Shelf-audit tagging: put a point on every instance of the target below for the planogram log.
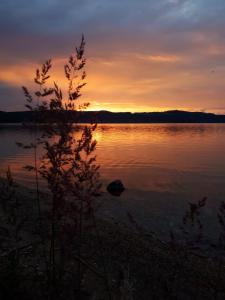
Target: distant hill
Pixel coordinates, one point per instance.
(172, 116)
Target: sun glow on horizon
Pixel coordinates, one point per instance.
(114, 86)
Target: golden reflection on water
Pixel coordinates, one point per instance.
(145, 156)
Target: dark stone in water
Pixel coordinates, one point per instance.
(116, 188)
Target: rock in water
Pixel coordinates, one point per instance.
(116, 187)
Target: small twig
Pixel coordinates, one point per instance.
(6, 253)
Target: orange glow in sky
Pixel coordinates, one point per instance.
(149, 83)
(141, 55)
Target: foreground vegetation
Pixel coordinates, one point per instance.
(116, 261)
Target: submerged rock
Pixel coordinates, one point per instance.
(116, 188)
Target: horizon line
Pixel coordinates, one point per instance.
(130, 112)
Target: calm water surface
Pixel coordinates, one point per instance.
(163, 166)
(160, 157)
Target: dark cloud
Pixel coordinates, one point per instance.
(38, 27)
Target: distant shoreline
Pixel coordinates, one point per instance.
(106, 117)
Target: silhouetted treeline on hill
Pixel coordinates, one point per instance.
(173, 116)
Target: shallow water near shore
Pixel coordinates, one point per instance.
(163, 166)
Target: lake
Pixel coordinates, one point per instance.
(145, 156)
(185, 160)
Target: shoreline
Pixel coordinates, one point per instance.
(172, 116)
(125, 247)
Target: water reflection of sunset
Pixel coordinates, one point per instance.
(145, 156)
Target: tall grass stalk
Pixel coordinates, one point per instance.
(68, 164)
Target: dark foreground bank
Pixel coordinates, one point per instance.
(117, 261)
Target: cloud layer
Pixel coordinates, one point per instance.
(142, 54)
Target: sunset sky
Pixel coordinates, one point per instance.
(142, 55)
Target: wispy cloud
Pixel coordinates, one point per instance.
(160, 58)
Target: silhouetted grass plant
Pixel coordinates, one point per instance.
(68, 166)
